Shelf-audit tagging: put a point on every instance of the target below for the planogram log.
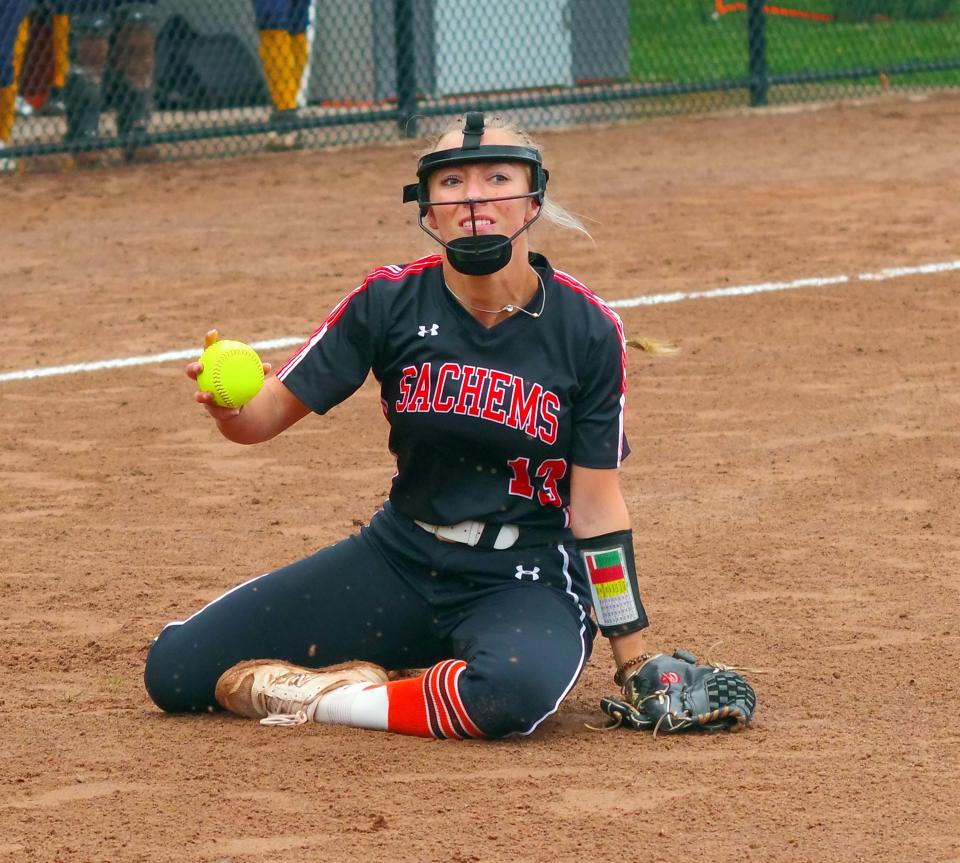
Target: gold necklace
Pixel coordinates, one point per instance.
(509, 308)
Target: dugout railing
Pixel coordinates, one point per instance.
(99, 80)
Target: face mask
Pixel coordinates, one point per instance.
(478, 254)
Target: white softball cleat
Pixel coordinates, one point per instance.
(280, 693)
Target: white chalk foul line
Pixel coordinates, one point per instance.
(648, 300)
(744, 290)
(737, 291)
(123, 362)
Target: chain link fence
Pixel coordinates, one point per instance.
(103, 80)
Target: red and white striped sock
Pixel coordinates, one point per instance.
(425, 706)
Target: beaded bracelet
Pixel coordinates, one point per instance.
(630, 663)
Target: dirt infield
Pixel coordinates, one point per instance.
(793, 485)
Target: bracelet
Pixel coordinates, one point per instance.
(630, 663)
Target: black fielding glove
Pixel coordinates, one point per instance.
(673, 693)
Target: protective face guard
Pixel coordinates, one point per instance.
(477, 255)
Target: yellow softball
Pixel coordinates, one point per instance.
(232, 372)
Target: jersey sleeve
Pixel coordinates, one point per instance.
(336, 359)
(599, 440)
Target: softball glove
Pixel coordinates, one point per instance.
(673, 693)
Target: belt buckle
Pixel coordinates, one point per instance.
(508, 535)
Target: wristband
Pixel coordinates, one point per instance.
(612, 574)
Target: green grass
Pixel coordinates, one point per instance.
(681, 41)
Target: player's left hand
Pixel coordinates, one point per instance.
(673, 693)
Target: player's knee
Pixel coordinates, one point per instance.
(171, 682)
(511, 700)
(160, 678)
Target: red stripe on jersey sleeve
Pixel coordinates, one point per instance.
(390, 273)
(610, 314)
(614, 318)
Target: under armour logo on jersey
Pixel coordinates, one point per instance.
(424, 331)
(533, 573)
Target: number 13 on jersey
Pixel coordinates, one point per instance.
(549, 473)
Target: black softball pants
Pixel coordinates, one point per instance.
(396, 596)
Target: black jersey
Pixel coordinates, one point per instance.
(484, 423)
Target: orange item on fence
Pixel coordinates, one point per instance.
(723, 7)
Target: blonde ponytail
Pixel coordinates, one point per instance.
(652, 346)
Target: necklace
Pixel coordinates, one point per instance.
(509, 308)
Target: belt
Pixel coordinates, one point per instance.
(497, 536)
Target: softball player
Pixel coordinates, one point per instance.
(60, 27)
(283, 53)
(119, 36)
(503, 382)
(14, 27)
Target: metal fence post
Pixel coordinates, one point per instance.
(757, 46)
(406, 68)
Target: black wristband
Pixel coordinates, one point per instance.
(612, 574)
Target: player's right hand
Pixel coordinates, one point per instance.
(220, 414)
(193, 370)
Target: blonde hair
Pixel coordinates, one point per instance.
(651, 346)
(550, 211)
